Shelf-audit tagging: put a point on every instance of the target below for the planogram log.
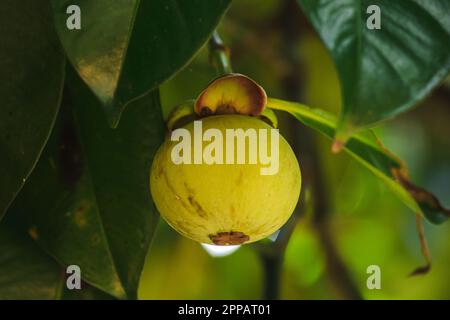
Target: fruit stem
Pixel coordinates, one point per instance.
(219, 54)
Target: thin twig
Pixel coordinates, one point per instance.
(423, 247)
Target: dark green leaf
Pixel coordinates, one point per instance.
(367, 150)
(88, 199)
(383, 72)
(31, 78)
(126, 48)
(25, 271)
(86, 292)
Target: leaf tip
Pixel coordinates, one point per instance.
(420, 271)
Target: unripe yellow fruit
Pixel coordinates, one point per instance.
(225, 203)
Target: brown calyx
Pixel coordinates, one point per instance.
(229, 238)
(231, 94)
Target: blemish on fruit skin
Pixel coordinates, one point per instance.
(240, 178)
(232, 211)
(194, 206)
(163, 174)
(189, 189)
(33, 232)
(160, 171)
(171, 188)
(197, 207)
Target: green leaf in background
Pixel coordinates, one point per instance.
(382, 72)
(25, 271)
(31, 78)
(369, 152)
(126, 48)
(88, 201)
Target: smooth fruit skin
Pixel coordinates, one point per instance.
(225, 203)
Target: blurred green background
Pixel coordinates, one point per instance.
(271, 42)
